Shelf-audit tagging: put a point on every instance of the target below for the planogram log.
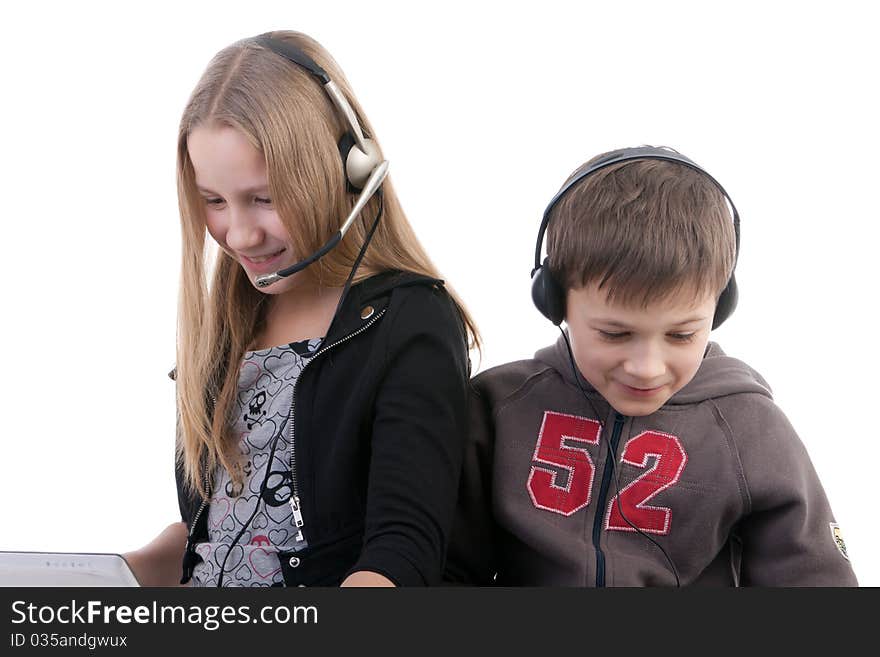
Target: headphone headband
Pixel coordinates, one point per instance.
(627, 155)
(357, 166)
(294, 54)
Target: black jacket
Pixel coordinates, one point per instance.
(379, 429)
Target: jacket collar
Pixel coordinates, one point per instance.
(370, 297)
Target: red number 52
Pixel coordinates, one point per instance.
(561, 478)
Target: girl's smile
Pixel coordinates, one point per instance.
(262, 264)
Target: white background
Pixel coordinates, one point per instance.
(483, 110)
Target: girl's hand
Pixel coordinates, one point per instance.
(367, 578)
(159, 562)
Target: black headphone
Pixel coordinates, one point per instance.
(365, 170)
(549, 295)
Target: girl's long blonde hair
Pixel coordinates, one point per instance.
(290, 118)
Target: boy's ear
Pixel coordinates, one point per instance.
(547, 294)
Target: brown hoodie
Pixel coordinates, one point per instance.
(717, 477)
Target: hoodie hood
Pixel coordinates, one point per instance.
(719, 375)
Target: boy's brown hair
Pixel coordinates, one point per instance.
(642, 230)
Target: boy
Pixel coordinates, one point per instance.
(708, 484)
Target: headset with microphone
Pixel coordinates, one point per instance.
(365, 170)
(548, 293)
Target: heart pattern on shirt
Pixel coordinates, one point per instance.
(235, 556)
(262, 564)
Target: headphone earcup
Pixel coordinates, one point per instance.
(548, 295)
(357, 164)
(726, 302)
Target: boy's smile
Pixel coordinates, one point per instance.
(637, 358)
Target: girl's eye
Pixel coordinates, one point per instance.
(213, 201)
(612, 336)
(264, 201)
(682, 337)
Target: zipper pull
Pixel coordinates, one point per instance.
(190, 560)
(297, 515)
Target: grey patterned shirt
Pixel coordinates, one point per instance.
(265, 522)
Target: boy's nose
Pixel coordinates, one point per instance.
(645, 365)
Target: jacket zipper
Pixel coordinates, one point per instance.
(207, 483)
(189, 559)
(603, 494)
(204, 503)
(295, 505)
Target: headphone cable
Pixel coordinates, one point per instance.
(360, 255)
(613, 457)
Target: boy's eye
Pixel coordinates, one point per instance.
(682, 337)
(612, 335)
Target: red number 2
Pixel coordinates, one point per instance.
(562, 471)
(670, 461)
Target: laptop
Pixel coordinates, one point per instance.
(64, 569)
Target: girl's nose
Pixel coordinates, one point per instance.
(244, 231)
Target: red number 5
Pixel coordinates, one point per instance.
(562, 471)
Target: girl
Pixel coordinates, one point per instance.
(321, 414)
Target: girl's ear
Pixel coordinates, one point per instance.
(346, 143)
(357, 164)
